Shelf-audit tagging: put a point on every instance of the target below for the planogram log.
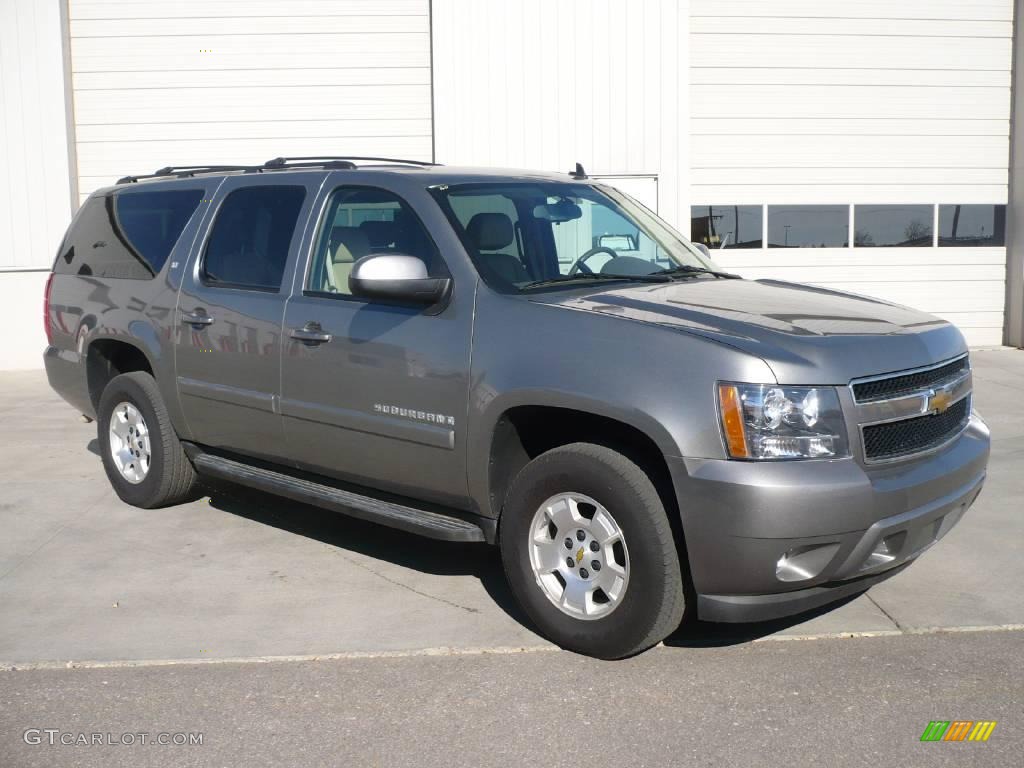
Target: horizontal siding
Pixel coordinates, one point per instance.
(862, 76)
(119, 133)
(847, 126)
(204, 9)
(963, 285)
(840, 193)
(848, 274)
(772, 23)
(943, 10)
(751, 102)
(828, 101)
(109, 159)
(911, 98)
(547, 84)
(863, 257)
(845, 51)
(234, 25)
(223, 82)
(249, 78)
(35, 196)
(760, 151)
(879, 175)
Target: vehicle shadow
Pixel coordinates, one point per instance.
(441, 558)
(481, 561)
(694, 633)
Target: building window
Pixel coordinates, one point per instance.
(972, 225)
(726, 226)
(808, 226)
(893, 226)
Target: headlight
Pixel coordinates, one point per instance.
(768, 421)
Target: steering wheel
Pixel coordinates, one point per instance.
(580, 264)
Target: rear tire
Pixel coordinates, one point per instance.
(141, 453)
(595, 598)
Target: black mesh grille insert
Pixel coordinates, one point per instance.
(901, 438)
(883, 389)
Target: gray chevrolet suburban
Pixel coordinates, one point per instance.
(525, 359)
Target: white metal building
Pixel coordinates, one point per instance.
(753, 125)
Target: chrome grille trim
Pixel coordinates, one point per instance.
(917, 404)
(926, 376)
(932, 399)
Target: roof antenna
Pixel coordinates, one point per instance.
(579, 173)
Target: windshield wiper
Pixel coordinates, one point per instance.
(687, 270)
(657, 277)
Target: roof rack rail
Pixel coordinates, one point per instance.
(184, 171)
(326, 161)
(337, 161)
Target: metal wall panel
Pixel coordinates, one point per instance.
(544, 85)
(832, 102)
(35, 196)
(216, 81)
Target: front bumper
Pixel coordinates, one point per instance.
(842, 525)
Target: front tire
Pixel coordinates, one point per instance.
(142, 455)
(589, 552)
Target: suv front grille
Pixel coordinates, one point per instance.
(907, 383)
(902, 438)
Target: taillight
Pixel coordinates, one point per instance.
(47, 325)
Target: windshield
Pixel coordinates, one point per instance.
(520, 234)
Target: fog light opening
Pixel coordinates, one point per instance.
(887, 550)
(805, 562)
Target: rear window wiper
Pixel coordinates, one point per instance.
(658, 277)
(687, 270)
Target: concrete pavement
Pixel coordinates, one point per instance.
(85, 577)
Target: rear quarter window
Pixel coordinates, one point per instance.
(127, 235)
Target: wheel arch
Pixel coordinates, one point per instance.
(108, 357)
(523, 432)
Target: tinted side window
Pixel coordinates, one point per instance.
(972, 225)
(127, 235)
(248, 246)
(361, 221)
(153, 221)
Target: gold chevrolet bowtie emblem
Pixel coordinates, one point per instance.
(579, 555)
(939, 401)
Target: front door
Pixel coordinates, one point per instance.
(228, 350)
(375, 392)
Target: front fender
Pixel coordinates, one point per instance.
(658, 380)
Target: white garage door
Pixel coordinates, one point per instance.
(231, 81)
(885, 120)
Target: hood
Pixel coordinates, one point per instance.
(807, 335)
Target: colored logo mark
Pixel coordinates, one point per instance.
(958, 730)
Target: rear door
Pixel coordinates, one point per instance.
(228, 348)
(381, 399)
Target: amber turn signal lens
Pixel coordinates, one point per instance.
(732, 421)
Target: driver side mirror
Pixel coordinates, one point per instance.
(396, 277)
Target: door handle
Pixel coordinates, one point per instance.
(310, 333)
(196, 318)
